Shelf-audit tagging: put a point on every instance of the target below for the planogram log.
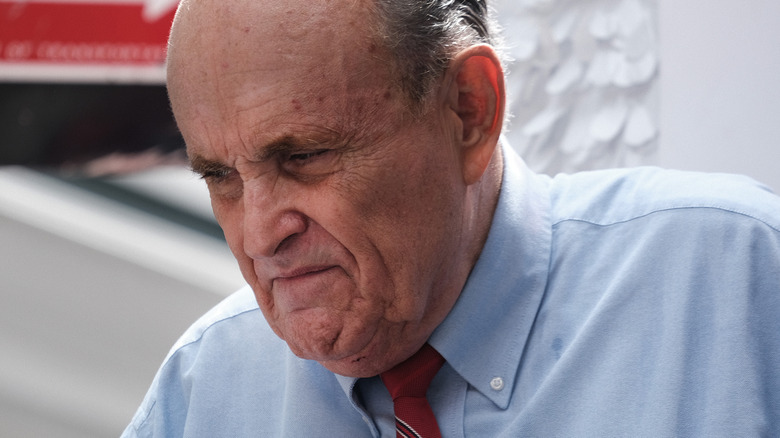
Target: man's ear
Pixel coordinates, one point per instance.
(476, 95)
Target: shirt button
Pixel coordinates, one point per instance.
(497, 383)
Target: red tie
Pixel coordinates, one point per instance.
(407, 383)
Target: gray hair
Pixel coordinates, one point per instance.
(424, 35)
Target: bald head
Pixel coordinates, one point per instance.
(212, 39)
(420, 37)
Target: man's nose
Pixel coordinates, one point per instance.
(270, 219)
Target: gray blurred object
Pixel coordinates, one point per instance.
(93, 292)
(583, 84)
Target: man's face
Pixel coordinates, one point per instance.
(344, 213)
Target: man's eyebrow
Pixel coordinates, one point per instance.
(276, 147)
(204, 166)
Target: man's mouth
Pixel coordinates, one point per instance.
(303, 272)
(306, 287)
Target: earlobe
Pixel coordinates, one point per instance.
(479, 105)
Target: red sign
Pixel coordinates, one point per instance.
(94, 38)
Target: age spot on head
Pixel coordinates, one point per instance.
(297, 105)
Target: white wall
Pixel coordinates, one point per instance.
(720, 87)
(715, 97)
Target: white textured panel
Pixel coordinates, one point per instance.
(720, 99)
(582, 85)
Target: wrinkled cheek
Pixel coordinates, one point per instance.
(311, 334)
(246, 266)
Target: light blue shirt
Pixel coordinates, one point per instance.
(622, 303)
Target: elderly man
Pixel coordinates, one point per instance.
(352, 153)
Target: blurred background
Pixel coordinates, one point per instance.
(109, 248)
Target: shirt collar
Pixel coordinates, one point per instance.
(484, 335)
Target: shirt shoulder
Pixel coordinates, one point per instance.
(613, 196)
(235, 305)
(663, 286)
(207, 363)
(230, 375)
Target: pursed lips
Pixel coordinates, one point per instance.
(303, 272)
(303, 287)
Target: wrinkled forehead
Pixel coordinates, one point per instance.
(216, 42)
(251, 25)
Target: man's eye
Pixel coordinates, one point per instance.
(303, 156)
(311, 163)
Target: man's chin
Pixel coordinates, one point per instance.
(357, 358)
(360, 365)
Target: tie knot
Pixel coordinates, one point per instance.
(412, 377)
